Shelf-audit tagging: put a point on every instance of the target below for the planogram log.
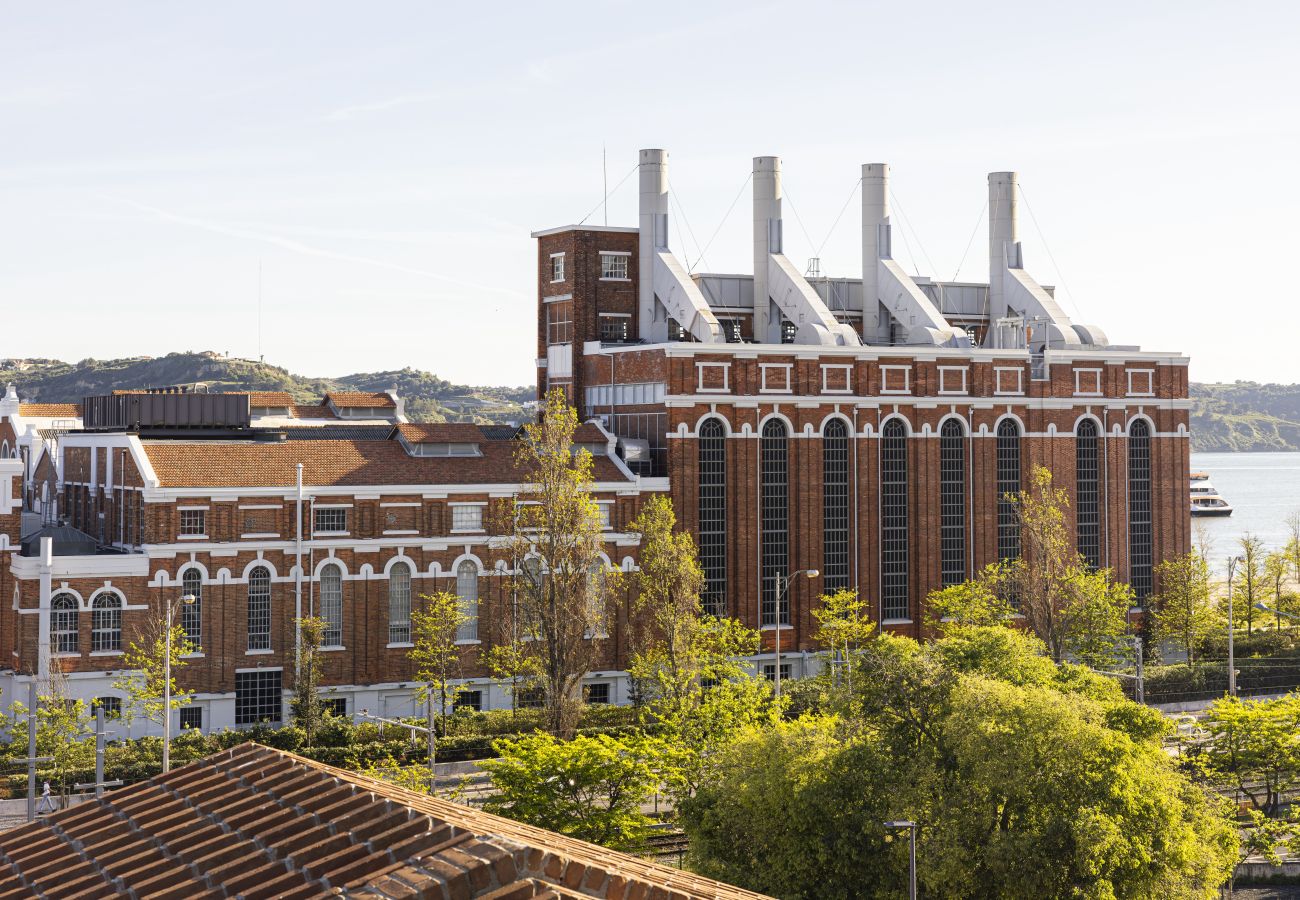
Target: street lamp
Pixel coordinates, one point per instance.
(911, 854)
(784, 582)
(1232, 667)
(188, 600)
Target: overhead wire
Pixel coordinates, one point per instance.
(789, 199)
(681, 210)
(857, 184)
(1042, 237)
(725, 216)
(974, 231)
(605, 200)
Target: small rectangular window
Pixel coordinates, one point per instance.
(192, 717)
(331, 519)
(472, 700)
(259, 697)
(559, 323)
(335, 706)
(769, 672)
(112, 706)
(613, 265)
(614, 329)
(194, 522)
(605, 510)
(557, 267)
(529, 698)
(467, 518)
(597, 693)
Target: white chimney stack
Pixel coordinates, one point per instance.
(654, 231)
(875, 236)
(1004, 237)
(767, 240)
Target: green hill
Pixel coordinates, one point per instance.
(428, 397)
(1245, 415)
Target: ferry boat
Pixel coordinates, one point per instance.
(1206, 500)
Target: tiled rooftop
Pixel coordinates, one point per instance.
(53, 410)
(359, 398)
(255, 822)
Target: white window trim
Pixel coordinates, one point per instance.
(848, 378)
(1151, 382)
(398, 645)
(253, 536)
(1078, 392)
(195, 537)
(997, 381)
(884, 380)
(609, 315)
(267, 652)
(945, 371)
(563, 268)
(726, 377)
(764, 368)
(476, 504)
(603, 254)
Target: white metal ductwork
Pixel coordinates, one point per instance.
(885, 283)
(1013, 293)
(779, 289)
(666, 289)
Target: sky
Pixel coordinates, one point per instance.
(373, 171)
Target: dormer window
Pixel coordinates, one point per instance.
(446, 448)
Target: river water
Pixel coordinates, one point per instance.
(1263, 488)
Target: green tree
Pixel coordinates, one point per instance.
(564, 591)
(1253, 746)
(1293, 542)
(999, 754)
(144, 670)
(1248, 586)
(435, 653)
(1276, 564)
(511, 662)
(979, 601)
(591, 788)
(307, 706)
(1182, 612)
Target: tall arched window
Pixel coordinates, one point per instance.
(259, 608)
(331, 604)
(893, 521)
(1087, 492)
(64, 636)
(1139, 509)
(774, 519)
(467, 590)
(192, 613)
(835, 505)
(399, 604)
(1008, 466)
(106, 623)
(952, 503)
(713, 515)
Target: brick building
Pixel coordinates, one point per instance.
(261, 517)
(867, 427)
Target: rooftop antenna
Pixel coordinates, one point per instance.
(604, 177)
(260, 357)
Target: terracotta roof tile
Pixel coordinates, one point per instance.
(358, 398)
(332, 463)
(438, 432)
(52, 410)
(270, 398)
(257, 822)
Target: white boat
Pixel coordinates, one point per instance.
(1206, 500)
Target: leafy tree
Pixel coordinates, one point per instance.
(307, 706)
(1253, 747)
(435, 653)
(1293, 542)
(1073, 609)
(980, 601)
(144, 672)
(1182, 611)
(999, 754)
(1276, 564)
(510, 661)
(844, 626)
(563, 588)
(1248, 587)
(687, 665)
(588, 787)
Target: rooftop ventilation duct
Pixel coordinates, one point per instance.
(666, 289)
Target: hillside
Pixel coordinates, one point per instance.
(428, 397)
(1245, 415)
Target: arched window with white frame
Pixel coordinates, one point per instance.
(1087, 492)
(64, 629)
(1139, 510)
(106, 623)
(192, 613)
(713, 514)
(774, 521)
(835, 505)
(331, 604)
(467, 590)
(893, 521)
(259, 608)
(1008, 483)
(952, 502)
(399, 604)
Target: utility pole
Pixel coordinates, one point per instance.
(1137, 654)
(33, 702)
(1232, 663)
(100, 734)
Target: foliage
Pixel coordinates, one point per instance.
(1001, 756)
(1254, 745)
(1182, 612)
(435, 653)
(307, 706)
(144, 680)
(563, 586)
(1276, 565)
(1248, 586)
(588, 787)
(979, 601)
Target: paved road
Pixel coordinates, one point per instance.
(1280, 892)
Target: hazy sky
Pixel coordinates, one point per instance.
(384, 163)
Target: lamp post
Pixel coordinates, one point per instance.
(784, 582)
(188, 600)
(1232, 665)
(911, 854)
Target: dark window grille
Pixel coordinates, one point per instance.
(259, 697)
(106, 623)
(596, 693)
(64, 631)
(259, 609)
(1139, 509)
(335, 706)
(112, 706)
(331, 605)
(192, 717)
(614, 329)
(774, 520)
(1008, 466)
(788, 331)
(835, 505)
(1087, 507)
(893, 521)
(192, 613)
(713, 515)
(952, 503)
(472, 700)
